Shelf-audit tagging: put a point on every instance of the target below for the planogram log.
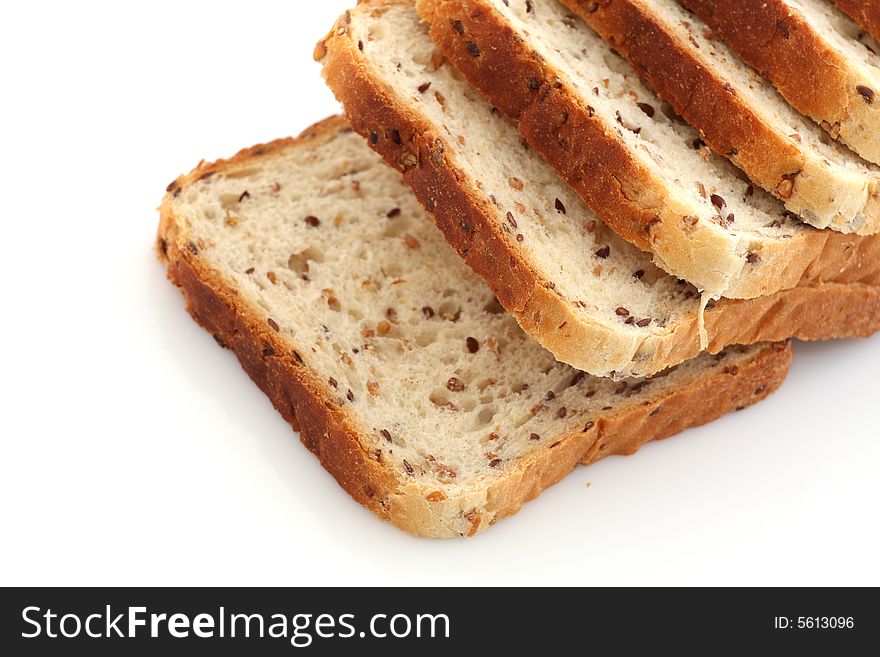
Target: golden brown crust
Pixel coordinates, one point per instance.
(865, 12)
(728, 122)
(328, 430)
(807, 313)
(413, 146)
(816, 79)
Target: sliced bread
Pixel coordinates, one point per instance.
(591, 298)
(643, 171)
(313, 262)
(819, 59)
(865, 12)
(740, 114)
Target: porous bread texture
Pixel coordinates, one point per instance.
(643, 172)
(315, 263)
(865, 12)
(335, 250)
(818, 58)
(739, 113)
(590, 298)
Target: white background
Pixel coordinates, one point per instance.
(135, 451)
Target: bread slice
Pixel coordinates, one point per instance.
(313, 262)
(643, 171)
(592, 299)
(816, 56)
(740, 114)
(865, 12)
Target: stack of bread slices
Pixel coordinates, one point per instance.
(545, 232)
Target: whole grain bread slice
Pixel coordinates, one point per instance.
(740, 114)
(819, 59)
(865, 12)
(595, 301)
(312, 261)
(643, 171)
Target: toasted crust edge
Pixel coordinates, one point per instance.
(330, 433)
(816, 79)
(729, 124)
(829, 310)
(866, 14)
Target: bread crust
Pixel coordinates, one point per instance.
(865, 12)
(837, 298)
(329, 431)
(816, 79)
(822, 195)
